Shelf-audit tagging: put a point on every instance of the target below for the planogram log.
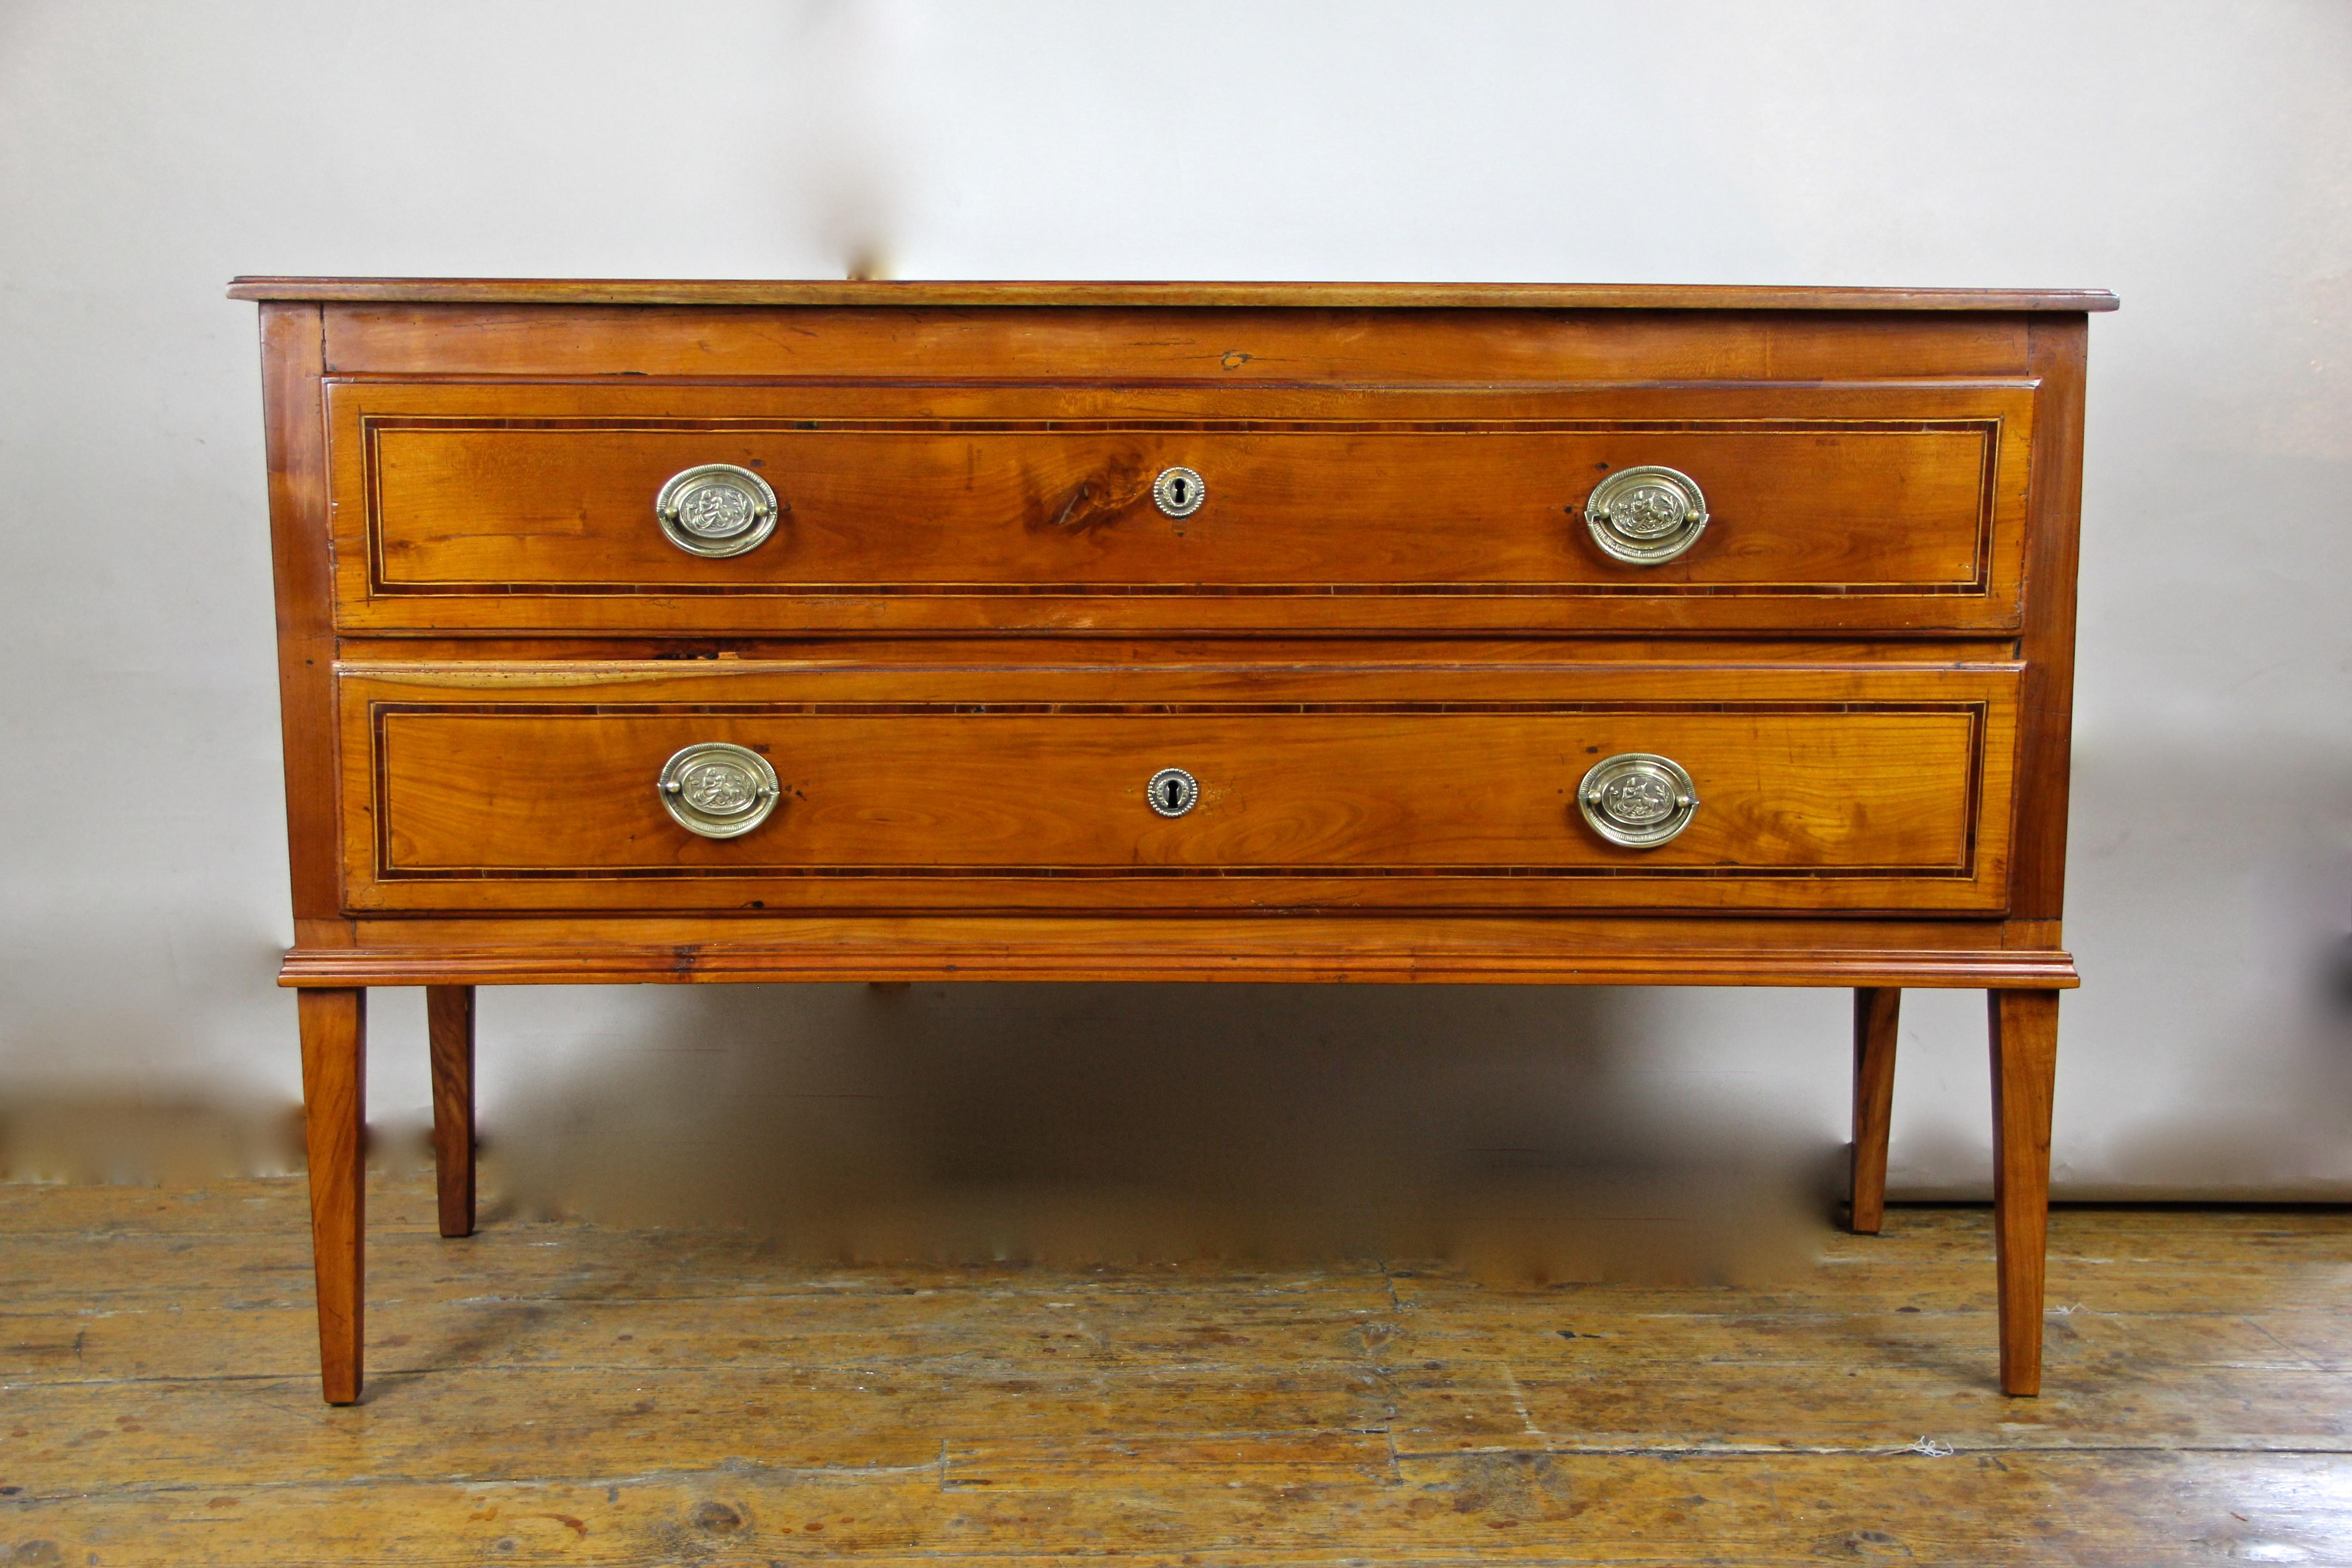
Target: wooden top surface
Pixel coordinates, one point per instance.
(1215, 296)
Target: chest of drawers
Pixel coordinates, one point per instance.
(683, 633)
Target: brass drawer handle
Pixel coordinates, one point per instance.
(1172, 793)
(717, 509)
(1638, 799)
(1645, 516)
(1178, 492)
(718, 790)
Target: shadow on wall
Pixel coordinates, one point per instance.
(2209, 909)
(1502, 1128)
(179, 1142)
(1077, 1124)
(1074, 1124)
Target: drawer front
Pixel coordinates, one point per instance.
(518, 788)
(533, 508)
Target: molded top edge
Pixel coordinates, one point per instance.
(1224, 295)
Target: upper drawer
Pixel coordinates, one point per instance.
(533, 508)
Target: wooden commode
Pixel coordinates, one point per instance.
(692, 632)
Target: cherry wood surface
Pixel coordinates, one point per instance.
(302, 560)
(2024, 1027)
(1877, 1014)
(334, 1116)
(1386, 646)
(1851, 790)
(2039, 888)
(1129, 352)
(1381, 792)
(1088, 295)
(1581, 949)
(449, 1027)
(1840, 507)
(1576, 955)
(473, 507)
(841, 650)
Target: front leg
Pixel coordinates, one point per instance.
(449, 1024)
(2024, 1070)
(334, 1114)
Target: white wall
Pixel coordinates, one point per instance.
(2195, 158)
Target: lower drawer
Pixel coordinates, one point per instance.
(485, 788)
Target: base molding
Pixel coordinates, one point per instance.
(705, 963)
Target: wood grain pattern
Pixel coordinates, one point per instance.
(295, 439)
(1824, 509)
(560, 1393)
(1646, 949)
(450, 1025)
(1377, 794)
(825, 650)
(334, 1116)
(474, 507)
(1260, 956)
(1876, 1017)
(1851, 790)
(2045, 758)
(864, 292)
(1130, 349)
(2024, 1027)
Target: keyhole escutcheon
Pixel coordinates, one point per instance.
(1172, 793)
(1178, 492)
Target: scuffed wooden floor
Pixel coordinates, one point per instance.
(564, 1394)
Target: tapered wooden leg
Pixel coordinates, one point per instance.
(334, 1110)
(449, 1020)
(2024, 1068)
(1876, 1010)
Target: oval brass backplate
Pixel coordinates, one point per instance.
(718, 790)
(717, 510)
(1647, 516)
(1637, 799)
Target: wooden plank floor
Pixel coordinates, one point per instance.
(567, 1394)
